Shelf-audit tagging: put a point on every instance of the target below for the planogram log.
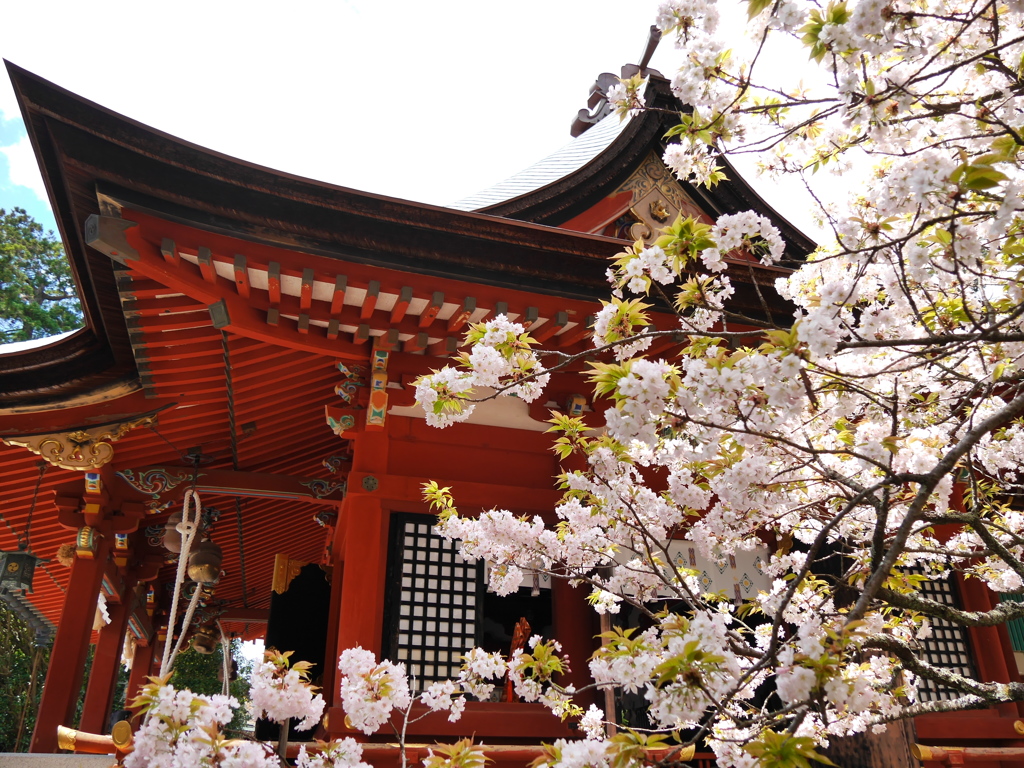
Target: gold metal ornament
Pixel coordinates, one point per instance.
(81, 449)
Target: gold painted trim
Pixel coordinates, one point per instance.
(66, 738)
(285, 570)
(122, 734)
(921, 752)
(81, 449)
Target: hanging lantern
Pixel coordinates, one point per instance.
(172, 536)
(204, 563)
(16, 570)
(205, 639)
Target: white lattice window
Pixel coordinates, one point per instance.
(433, 598)
(949, 644)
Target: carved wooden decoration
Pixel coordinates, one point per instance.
(82, 449)
(657, 199)
(285, 570)
(378, 406)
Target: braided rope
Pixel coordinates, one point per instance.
(189, 529)
(225, 652)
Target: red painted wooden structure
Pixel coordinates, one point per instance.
(220, 299)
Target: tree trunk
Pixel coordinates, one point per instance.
(890, 749)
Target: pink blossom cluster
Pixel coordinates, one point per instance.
(280, 692)
(182, 730)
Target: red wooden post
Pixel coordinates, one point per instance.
(574, 627)
(142, 667)
(362, 591)
(67, 659)
(106, 663)
(363, 529)
(330, 679)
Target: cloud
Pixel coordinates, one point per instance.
(24, 171)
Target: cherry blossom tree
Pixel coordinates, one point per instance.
(866, 424)
(873, 442)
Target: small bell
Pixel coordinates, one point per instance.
(172, 536)
(205, 640)
(204, 563)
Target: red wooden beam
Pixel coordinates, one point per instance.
(181, 338)
(321, 312)
(416, 344)
(578, 333)
(169, 251)
(500, 308)
(138, 286)
(551, 327)
(961, 755)
(242, 276)
(306, 289)
(431, 310)
(469, 494)
(249, 484)
(338, 297)
(461, 315)
(206, 267)
(964, 725)
(246, 615)
(444, 348)
(274, 283)
(177, 321)
(401, 304)
(362, 334)
(370, 301)
(122, 241)
(162, 306)
(197, 351)
(529, 318)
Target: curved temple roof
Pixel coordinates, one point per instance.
(221, 294)
(556, 166)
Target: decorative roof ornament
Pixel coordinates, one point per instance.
(82, 449)
(657, 198)
(598, 107)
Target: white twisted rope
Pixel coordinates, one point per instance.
(189, 529)
(225, 653)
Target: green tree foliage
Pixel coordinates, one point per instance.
(18, 697)
(37, 291)
(200, 673)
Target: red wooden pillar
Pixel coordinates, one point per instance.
(993, 653)
(574, 626)
(106, 663)
(142, 667)
(363, 539)
(67, 659)
(362, 592)
(330, 680)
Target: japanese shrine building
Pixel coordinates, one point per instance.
(219, 299)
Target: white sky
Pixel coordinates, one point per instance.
(427, 101)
